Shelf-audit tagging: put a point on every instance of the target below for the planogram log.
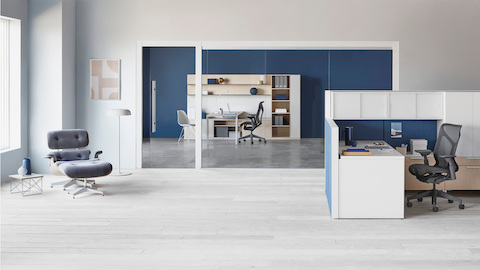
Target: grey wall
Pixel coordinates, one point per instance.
(11, 161)
(51, 74)
(438, 41)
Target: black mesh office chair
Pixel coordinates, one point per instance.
(444, 168)
(255, 121)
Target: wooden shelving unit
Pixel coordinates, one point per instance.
(235, 92)
(280, 100)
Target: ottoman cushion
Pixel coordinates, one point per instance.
(85, 168)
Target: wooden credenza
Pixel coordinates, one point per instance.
(468, 175)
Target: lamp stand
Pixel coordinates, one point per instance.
(119, 173)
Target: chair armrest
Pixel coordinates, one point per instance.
(424, 154)
(96, 154)
(452, 166)
(51, 156)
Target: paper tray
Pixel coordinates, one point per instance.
(346, 153)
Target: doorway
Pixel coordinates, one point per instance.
(165, 143)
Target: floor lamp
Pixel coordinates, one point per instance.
(118, 113)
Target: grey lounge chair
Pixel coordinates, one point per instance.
(78, 164)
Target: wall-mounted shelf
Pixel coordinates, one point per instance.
(234, 85)
(228, 84)
(241, 95)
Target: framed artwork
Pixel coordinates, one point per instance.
(396, 130)
(105, 79)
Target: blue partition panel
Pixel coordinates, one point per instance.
(380, 130)
(328, 165)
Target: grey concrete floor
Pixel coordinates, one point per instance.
(167, 153)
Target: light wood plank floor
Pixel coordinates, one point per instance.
(226, 219)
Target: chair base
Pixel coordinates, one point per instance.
(70, 182)
(182, 134)
(251, 136)
(86, 188)
(434, 193)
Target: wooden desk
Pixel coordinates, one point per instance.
(228, 116)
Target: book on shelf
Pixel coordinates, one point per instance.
(278, 120)
(281, 110)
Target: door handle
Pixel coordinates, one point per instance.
(154, 106)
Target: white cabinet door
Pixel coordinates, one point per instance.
(346, 105)
(430, 105)
(459, 110)
(374, 105)
(476, 124)
(295, 106)
(403, 105)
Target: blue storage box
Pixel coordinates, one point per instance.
(281, 97)
(212, 81)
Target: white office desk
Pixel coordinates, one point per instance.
(223, 116)
(371, 186)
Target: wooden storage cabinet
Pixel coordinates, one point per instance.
(468, 175)
(468, 178)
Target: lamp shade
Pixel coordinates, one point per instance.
(118, 112)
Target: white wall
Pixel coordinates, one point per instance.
(11, 161)
(438, 44)
(50, 82)
(68, 64)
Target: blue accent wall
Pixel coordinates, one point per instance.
(313, 68)
(361, 70)
(169, 67)
(350, 69)
(233, 62)
(380, 130)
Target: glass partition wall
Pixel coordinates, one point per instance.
(238, 84)
(289, 84)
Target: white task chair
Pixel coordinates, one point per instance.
(182, 120)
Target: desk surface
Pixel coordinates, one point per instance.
(375, 152)
(217, 115)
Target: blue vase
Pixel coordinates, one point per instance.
(26, 165)
(253, 91)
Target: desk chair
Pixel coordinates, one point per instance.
(444, 168)
(182, 120)
(77, 164)
(255, 121)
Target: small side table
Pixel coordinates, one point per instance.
(26, 183)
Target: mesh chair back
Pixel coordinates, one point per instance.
(447, 143)
(259, 115)
(182, 118)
